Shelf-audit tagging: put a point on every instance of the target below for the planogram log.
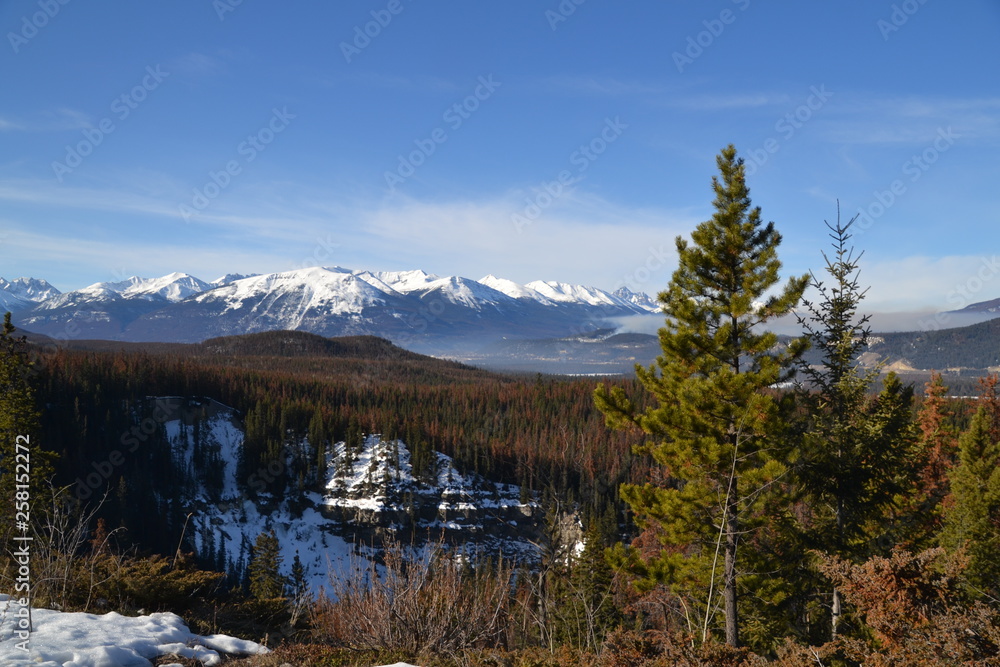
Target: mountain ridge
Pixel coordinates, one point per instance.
(416, 309)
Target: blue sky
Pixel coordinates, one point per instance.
(531, 140)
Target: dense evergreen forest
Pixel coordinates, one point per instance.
(542, 433)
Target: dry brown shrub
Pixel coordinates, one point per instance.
(627, 648)
(915, 606)
(421, 604)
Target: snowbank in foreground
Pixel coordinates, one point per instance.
(108, 640)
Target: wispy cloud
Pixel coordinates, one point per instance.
(409, 84)
(8, 126)
(863, 118)
(728, 102)
(50, 120)
(247, 209)
(582, 238)
(943, 283)
(103, 261)
(601, 86)
(198, 65)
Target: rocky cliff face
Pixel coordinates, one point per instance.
(374, 488)
(371, 493)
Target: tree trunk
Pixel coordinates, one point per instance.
(837, 609)
(729, 575)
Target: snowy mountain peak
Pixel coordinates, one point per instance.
(292, 295)
(566, 293)
(172, 287)
(513, 289)
(231, 278)
(470, 293)
(640, 299)
(29, 289)
(406, 281)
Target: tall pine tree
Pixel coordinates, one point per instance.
(711, 425)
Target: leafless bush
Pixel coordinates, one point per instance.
(420, 603)
(65, 574)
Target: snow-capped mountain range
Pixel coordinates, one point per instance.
(413, 308)
(24, 293)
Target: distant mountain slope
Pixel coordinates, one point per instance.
(975, 347)
(992, 306)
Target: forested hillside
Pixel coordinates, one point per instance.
(541, 433)
(974, 348)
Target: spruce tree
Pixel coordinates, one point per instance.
(299, 583)
(972, 520)
(844, 464)
(318, 441)
(264, 570)
(712, 425)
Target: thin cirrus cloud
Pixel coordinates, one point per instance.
(581, 239)
(62, 257)
(860, 118)
(953, 281)
(49, 120)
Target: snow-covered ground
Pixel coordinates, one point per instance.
(109, 640)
